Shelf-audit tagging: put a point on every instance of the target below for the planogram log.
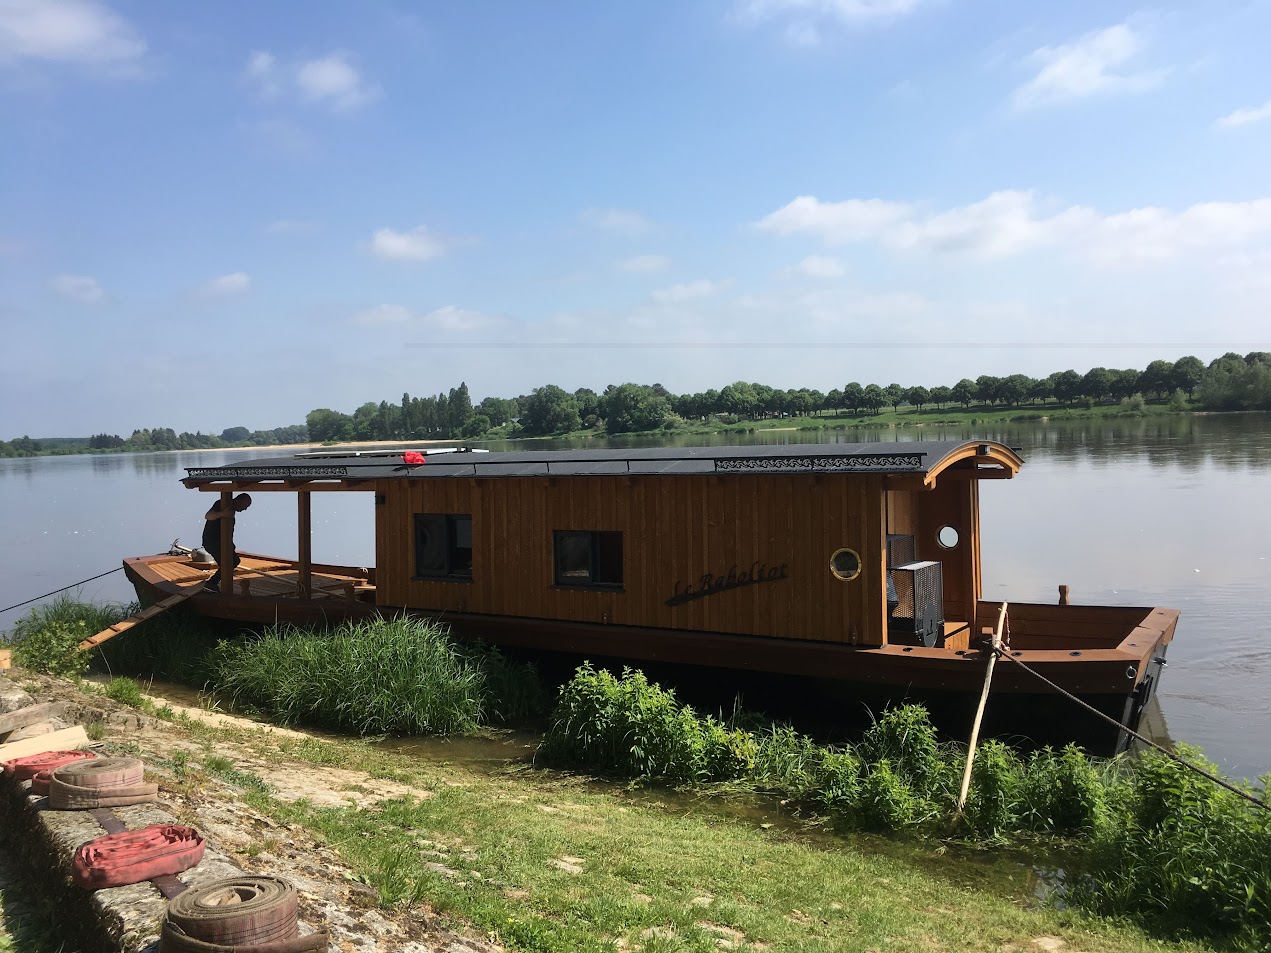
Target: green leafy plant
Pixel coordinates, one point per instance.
(992, 810)
(53, 648)
(635, 728)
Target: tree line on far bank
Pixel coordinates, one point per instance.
(150, 440)
(1231, 382)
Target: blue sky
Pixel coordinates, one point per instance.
(228, 214)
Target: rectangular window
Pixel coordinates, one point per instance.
(589, 559)
(443, 546)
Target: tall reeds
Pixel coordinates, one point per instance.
(382, 676)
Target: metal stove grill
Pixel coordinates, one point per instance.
(901, 549)
(919, 601)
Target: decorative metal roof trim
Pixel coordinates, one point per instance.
(880, 461)
(264, 473)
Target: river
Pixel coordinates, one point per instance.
(1170, 511)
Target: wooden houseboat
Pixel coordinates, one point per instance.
(856, 563)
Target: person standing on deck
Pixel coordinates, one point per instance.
(212, 537)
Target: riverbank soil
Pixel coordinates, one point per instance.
(398, 852)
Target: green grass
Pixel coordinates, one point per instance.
(497, 851)
(126, 692)
(552, 864)
(399, 676)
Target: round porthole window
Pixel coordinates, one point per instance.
(845, 564)
(947, 537)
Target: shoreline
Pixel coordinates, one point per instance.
(949, 417)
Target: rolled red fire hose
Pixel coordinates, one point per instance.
(37, 768)
(134, 856)
(243, 914)
(102, 782)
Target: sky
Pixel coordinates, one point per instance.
(232, 213)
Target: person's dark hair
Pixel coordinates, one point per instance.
(244, 496)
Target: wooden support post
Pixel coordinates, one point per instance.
(304, 524)
(226, 565)
(1063, 594)
(979, 713)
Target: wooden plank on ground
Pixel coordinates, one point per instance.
(148, 613)
(65, 740)
(30, 715)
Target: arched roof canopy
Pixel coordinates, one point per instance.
(985, 459)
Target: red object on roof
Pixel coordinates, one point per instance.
(414, 457)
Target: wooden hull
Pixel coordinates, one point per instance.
(1110, 657)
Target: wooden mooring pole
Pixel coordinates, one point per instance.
(979, 712)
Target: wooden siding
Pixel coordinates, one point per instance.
(675, 530)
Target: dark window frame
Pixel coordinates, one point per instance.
(605, 558)
(455, 569)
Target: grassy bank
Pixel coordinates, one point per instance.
(1143, 839)
(1148, 838)
(556, 862)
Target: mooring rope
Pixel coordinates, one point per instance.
(1221, 782)
(18, 605)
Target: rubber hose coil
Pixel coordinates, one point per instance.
(24, 769)
(133, 856)
(244, 913)
(37, 768)
(103, 782)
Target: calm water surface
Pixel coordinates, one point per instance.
(1143, 512)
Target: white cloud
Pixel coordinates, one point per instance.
(333, 80)
(804, 18)
(1086, 67)
(820, 266)
(419, 244)
(1009, 223)
(616, 220)
(330, 80)
(67, 31)
(1245, 117)
(837, 222)
(79, 288)
(689, 291)
(644, 263)
(231, 284)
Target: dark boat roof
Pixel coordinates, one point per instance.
(914, 457)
